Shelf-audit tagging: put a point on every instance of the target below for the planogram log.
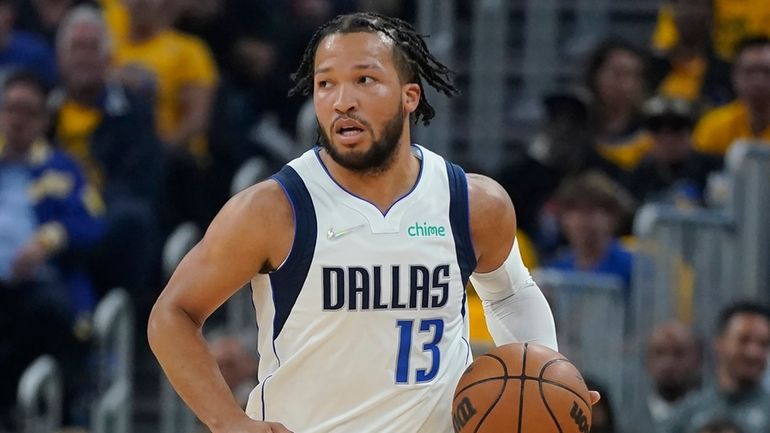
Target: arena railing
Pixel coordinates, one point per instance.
(488, 70)
(114, 337)
(748, 164)
(39, 397)
(690, 263)
(438, 20)
(590, 313)
(720, 253)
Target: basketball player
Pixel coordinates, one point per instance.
(358, 254)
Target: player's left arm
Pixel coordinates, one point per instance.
(515, 308)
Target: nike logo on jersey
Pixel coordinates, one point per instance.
(331, 234)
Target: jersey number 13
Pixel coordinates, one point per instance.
(406, 331)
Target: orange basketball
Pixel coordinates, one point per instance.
(521, 388)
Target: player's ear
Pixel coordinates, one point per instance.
(411, 93)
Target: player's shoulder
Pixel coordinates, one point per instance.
(262, 207)
(266, 197)
(492, 220)
(487, 196)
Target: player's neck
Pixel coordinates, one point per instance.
(381, 188)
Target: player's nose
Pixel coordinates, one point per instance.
(345, 100)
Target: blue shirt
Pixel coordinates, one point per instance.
(616, 261)
(29, 52)
(18, 221)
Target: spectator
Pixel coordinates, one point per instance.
(21, 50)
(591, 209)
(563, 148)
(42, 17)
(110, 131)
(242, 35)
(720, 426)
(176, 71)
(672, 171)
(226, 24)
(48, 216)
(306, 16)
(674, 368)
(616, 78)
(183, 83)
(689, 69)
(748, 117)
(742, 345)
(733, 21)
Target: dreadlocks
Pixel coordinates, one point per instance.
(411, 56)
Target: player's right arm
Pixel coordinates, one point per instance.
(252, 233)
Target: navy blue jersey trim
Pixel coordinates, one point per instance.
(459, 217)
(287, 281)
(262, 395)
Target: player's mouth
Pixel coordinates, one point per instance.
(348, 131)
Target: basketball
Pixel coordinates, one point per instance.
(521, 388)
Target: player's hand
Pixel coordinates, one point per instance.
(595, 397)
(247, 425)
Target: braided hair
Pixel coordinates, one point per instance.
(412, 59)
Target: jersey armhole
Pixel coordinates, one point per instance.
(459, 217)
(287, 279)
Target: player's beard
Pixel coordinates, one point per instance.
(378, 158)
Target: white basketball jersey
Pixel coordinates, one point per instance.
(364, 327)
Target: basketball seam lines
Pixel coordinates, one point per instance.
(558, 385)
(548, 407)
(499, 396)
(542, 395)
(521, 388)
(523, 378)
(550, 382)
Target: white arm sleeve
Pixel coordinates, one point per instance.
(515, 308)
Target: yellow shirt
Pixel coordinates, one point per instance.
(685, 80)
(733, 21)
(76, 125)
(628, 153)
(162, 66)
(116, 17)
(720, 127)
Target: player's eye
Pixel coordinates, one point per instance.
(365, 79)
(322, 84)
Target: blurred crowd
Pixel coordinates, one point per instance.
(650, 121)
(680, 398)
(121, 119)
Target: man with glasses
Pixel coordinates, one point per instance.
(673, 171)
(48, 216)
(748, 117)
